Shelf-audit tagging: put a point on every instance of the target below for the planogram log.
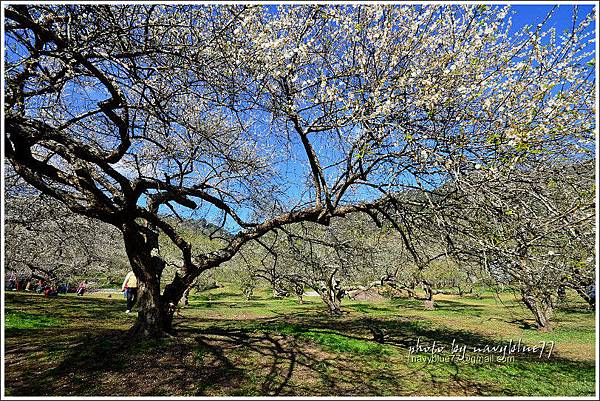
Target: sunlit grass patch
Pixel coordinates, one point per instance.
(21, 320)
(523, 377)
(331, 340)
(340, 343)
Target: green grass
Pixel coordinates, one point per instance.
(227, 345)
(523, 377)
(16, 320)
(340, 343)
(331, 340)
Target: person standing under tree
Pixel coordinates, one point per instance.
(130, 288)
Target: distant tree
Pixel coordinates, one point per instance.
(320, 259)
(346, 258)
(44, 239)
(534, 228)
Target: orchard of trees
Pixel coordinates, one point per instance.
(327, 148)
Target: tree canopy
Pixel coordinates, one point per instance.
(256, 117)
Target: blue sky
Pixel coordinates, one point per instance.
(533, 14)
(522, 15)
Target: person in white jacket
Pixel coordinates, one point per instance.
(130, 288)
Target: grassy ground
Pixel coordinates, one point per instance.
(226, 345)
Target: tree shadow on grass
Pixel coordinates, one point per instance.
(286, 365)
(288, 345)
(525, 324)
(56, 361)
(110, 363)
(268, 357)
(300, 353)
(526, 375)
(211, 361)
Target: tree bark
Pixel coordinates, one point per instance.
(541, 307)
(332, 303)
(428, 301)
(155, 311)
(154, 318)
(331, 294)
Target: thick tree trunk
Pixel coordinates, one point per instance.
(331, 295)
(332, 302)
(299, 290)
(154, 317)
(541, 309)
(155, 311)
(428, 301)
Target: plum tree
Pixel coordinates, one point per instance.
(258, 117)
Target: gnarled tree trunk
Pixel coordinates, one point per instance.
(428, 301)
(541, 307)
(299, 291)
(332, 295)
(155, 310)
(154, 317)
(332, 302)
